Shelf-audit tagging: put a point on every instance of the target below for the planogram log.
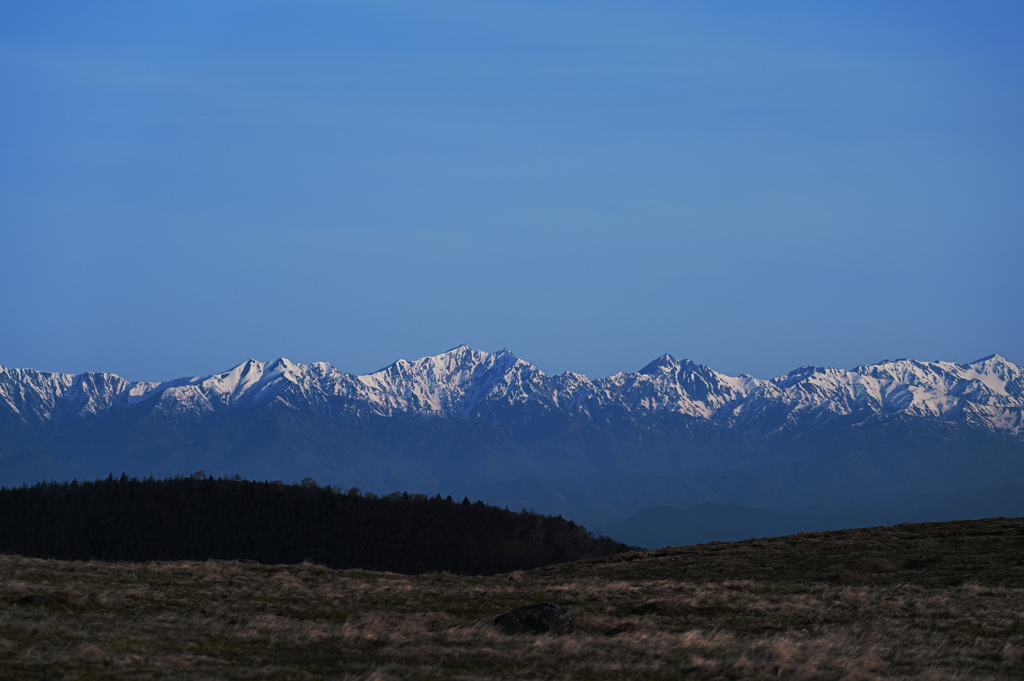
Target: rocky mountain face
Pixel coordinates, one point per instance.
(494, 425)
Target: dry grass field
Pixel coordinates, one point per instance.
(932, 601)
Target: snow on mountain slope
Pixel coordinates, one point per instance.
(461, 382)
(984, 393)
(812, 396)
(253, 383)
(430, 384)
(36, 396)
(497, 387)
(666, 384)
(989, 381)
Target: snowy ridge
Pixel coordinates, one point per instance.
(44, 396)
(666, 384)
(499, 387)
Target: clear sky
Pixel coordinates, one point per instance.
(751, 185)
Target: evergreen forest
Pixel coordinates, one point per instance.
(206, 518)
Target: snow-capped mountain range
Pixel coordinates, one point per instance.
(499, 387)
(493, 426)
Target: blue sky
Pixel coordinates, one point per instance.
(752, 185)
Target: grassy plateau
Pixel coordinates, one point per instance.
(926, 601)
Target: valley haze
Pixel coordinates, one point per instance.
(495, 427)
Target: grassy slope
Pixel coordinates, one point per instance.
(930, 601)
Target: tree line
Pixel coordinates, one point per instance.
(201, 518)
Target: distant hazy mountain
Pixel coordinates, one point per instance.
(492, 425)
(660, 526)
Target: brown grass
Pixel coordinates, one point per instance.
(907, 610)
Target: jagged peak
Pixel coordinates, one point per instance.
(284, 368)
(990, 359)
(244, 366)
(662, 364)
(899, 361)
(463, 356)
(940, 366)
(796, 375)
(234, 381)
(456, 355)
(509, 359)
(458, 350)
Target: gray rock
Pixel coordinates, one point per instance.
(536, 619)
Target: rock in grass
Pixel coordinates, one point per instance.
(658, 606)
(31, 599)
(536, 619)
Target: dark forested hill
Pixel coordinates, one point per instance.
(199, 518)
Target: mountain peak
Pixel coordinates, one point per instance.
(663, 364)
(458, 354)
(243, 368)
(991, 359)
